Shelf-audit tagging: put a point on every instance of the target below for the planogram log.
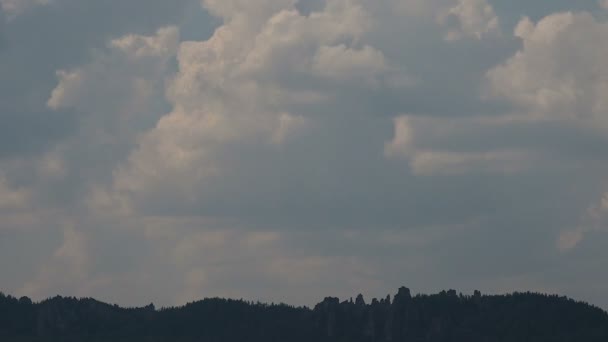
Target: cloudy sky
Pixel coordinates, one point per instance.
(284, 150)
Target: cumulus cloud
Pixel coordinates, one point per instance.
(118, 95)
(470, 18)
(238, 88)
(559, 76)
(323, 146)
(560, 72)
(133, 61)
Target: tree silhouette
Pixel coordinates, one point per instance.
(443, 317)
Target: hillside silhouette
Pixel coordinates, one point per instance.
(446, 316)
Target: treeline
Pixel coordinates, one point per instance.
(446, 316)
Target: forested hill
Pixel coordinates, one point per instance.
(447, 316)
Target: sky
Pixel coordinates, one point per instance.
(284, 150)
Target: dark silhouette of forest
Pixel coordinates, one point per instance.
(446, 316)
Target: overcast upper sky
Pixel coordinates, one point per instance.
(283, 150)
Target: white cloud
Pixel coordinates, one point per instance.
(16, 7)
(401, 145)
(603, 4)
(118, 95)
(162, 45)
(416, 139)
(348, 65)
(595, 219)
(123, 74)
(560, 73)
(259, 80)
(69, 83)
(242, 87)
(247, 10)
(430, 162)
(278, 121)
(10, 198)
(470, 18)
(561, 76)
(289, 125)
